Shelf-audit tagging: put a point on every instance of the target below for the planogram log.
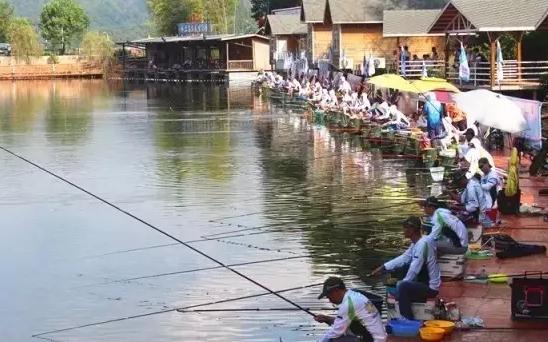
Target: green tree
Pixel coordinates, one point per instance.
(98, 47)
(6, 15)
(245, 23)
(260, 8)
(24, 40)
(221, 14)
(166, 14)
(62, 23)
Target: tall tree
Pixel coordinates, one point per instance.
(6, 15)
(220, 13)
(260, 8)
(166, 14)
(62, 23)
(24, 39)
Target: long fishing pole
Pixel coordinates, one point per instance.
(251, 310)
(196, 250)
(194, 270)
(114, 320)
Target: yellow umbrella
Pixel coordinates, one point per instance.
(512, 183)
(392, 81)
(427, 84)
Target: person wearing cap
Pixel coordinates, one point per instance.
(448, 231)
(423, 278)
(471, 202)
(356, 312)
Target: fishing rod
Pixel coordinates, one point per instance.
(194, 270)
(150, 225)
(252, 310)
(120, 319)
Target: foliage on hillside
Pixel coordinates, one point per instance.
(166, 14)
(121, 19)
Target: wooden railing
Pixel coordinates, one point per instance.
(240, 65)
(415, 69)
(44, 71)
(524, 74)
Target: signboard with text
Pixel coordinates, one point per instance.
(186, 29)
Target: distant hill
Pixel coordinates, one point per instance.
(122, 19)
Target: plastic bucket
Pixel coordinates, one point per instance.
(437, 173)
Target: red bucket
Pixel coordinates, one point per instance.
(492, 214)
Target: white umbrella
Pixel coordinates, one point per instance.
(491, 109)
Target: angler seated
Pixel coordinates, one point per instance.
(472, 204)
(423, 278)
(358, 320)
(398, 120)
(448, 232)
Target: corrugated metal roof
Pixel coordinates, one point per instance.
(176, 39)
(313, 11)
(285, 24)
(355, 11)
(501, 15)
(401, 23)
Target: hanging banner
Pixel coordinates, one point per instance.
(532, 113)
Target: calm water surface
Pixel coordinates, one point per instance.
(245, 180)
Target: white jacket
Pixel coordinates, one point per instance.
(355, 306)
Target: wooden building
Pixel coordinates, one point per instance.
(319, 33)
(287, 35)
(346, 31)
(494, 18)
(414, 34)
(201, 56)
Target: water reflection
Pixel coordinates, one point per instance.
(200, 162)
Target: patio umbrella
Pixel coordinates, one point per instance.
(392, 81)
(491, 109)
(427, 84)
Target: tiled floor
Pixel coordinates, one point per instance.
(491, 302)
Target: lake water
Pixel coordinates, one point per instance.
(245, 181)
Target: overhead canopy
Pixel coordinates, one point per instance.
(428, 84)
(417, 22)
(489, 16)
(354, 11)
(285, 24)
(215, 37)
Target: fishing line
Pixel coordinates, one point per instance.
(262, 294)
(167, 245)
(159, 231)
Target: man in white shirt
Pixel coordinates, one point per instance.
(448, 231)
(356, 312)
(423, 278)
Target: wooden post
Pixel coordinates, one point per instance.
(123, 60)
(493, 58)
(227, 56)
(446, 56)
(519, 37)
